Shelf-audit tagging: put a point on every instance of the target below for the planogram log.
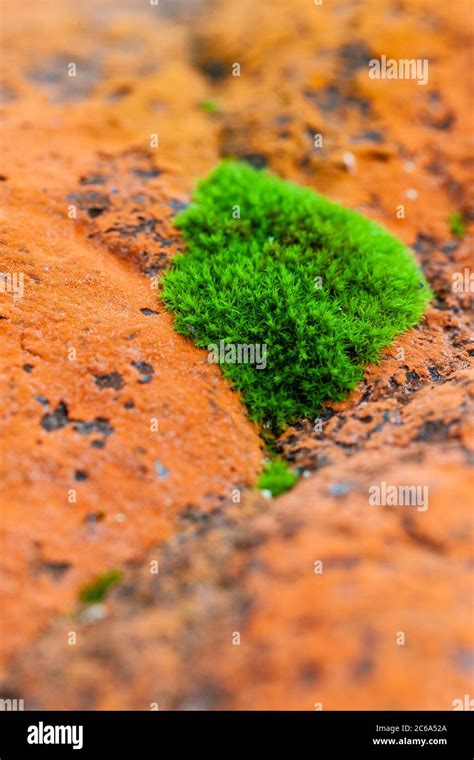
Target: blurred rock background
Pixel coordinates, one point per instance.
(122, 447)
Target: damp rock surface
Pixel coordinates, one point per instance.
(122, 446)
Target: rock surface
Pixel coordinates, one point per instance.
(122, 447)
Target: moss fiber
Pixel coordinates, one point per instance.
(322, 286)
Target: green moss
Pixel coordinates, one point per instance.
(324, 289)
(456, 225)
(96, 591)
(209, 106)
(277, 477)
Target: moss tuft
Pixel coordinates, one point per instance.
(209, 106)
(269, 263)
(456, 225)
(97, 590)
(277, 477)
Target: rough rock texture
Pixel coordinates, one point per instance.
(87, 218)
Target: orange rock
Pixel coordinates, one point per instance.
(121, 446)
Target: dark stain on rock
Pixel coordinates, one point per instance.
(55, 569)
(434, 374)
(97, 425)
(53, 74)
(149, 173)
(372, 135)
(143, 368)
(333, 98)
(354, 56)
(91, 201)
(433, 431)
(111, 380)
(92, 179)
(57, 419)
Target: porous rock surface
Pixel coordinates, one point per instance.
(121, 445)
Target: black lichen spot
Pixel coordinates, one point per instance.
(146, 379)
(149, 173)
(332, 98)
(111, 380)
(143, 368)
(178, 205)
(381, 425)
(95, 211)
(91, 201)
(92, 179)
(453, 245)
(363, 668)
(433, 431)
(98, 444)
(56, 569)
(94, 517)
(412, 376)
(442, 122)
(42, 400)
(80, 475)
(214, 69)
(54, 75)
(129, 405)
(57, 419)
(97, 425)
(371, 135)
(434, 374)
(354, 56)
(28, 367)
(148, 312)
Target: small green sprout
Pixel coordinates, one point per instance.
(456, 225)
(96, 591)
(209, 106)
(277, 477)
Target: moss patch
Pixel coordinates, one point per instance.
(277, 477)
(209, 106)
(456, 225)
(97, 590)
(316, 290)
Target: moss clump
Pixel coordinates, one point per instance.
(273, 264)
(209, 106)
(456, 225)
(96, 591)
(277, 477)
